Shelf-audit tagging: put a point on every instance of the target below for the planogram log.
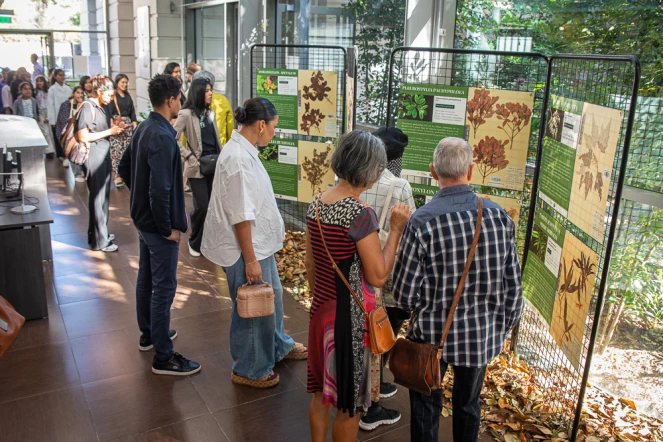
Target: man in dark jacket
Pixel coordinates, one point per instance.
(152, 169)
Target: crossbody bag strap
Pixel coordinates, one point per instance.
(385, 207)
(117, 108)
(461, 284)
(333, 263)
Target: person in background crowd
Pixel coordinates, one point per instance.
(58, 93)
(196, 122)
(243, 231)
(190, 71)
(26, 105)
(173, 69)
(339, 358)
(121, 112)
(66, 113)
(7, 101)
(92, 128)
(37, 68)
(21, 76)
(86, 83)
(225, 122)
(3, 80)
(41, 94)
(430, 263)
(152, 169)
(395, 142)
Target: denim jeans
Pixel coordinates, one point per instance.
(155, 290)
(256, 344)
(425, 410)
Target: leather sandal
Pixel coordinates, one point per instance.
(266, 381)
(298, 353)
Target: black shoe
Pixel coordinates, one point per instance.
(50, 156)
(370, 421)
(387, 389)
(145, 344)
(177, 365)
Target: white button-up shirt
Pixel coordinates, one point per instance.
(242, 191)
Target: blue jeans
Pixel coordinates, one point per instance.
(155, 290)
(256, 344)
(425, 410)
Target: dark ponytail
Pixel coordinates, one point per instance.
(255, 109)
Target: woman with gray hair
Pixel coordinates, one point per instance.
(340, 227)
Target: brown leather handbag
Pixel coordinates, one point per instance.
(380, 332)
(10, 324)
(416, 365)
(255, 300)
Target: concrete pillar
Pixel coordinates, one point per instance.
(165, 43)
(121, 36)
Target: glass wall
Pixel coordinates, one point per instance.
(314, 22)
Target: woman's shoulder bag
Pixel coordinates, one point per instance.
(75, 150)
(416, 365)
(379, 328)
(10, 324)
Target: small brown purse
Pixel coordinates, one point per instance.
(380, 332)
(416, 365)
(11, 323)
(255, 300)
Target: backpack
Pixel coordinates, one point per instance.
(74, 149)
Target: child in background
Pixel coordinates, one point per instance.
(25, 105)
(41, 95)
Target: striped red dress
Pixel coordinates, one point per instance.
(338, 353)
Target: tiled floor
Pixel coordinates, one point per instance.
(78, 375)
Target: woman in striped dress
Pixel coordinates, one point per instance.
(339, 350)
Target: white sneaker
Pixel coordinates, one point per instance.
(110, 248)
(80, 179)
(193, 252)
(65, 163)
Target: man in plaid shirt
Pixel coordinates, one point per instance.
(428, 268)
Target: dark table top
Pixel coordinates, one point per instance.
(43, 215)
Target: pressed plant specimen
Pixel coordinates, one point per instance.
(268, 83)
(568, 283)
(587, 269)
(317, 90)
(412, 105)
(311, 119)
(514, 116)
(490, 156)
(554, 124)
(596, 142)
(317, 167)
(566, 336)
(480, 108)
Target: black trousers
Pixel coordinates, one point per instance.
(425, 410)
(98, 183)
(201, 190)
(59, 151)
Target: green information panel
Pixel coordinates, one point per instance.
(542, 269)
(280, 87)
(559, 152)
(428, 113)
(423, 194)
(280, 160)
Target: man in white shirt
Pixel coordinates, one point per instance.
(388, 190)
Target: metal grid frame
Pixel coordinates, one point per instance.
(308, 57)
(610, 81)
(496, 70)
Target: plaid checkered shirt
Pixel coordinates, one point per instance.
(430, 263)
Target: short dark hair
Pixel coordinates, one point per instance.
(255, 109)
(77, 87)
(170, 67)
(195, 98)
(55, 73)
(162, 87)
(25, 83)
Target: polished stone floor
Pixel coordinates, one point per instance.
(78, 375)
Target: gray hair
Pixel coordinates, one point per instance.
(452, 158)
(359, 158)
(207, 74)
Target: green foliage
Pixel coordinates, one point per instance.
(636, 268)
(413, 105)
(75, 19)
(379, 29)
